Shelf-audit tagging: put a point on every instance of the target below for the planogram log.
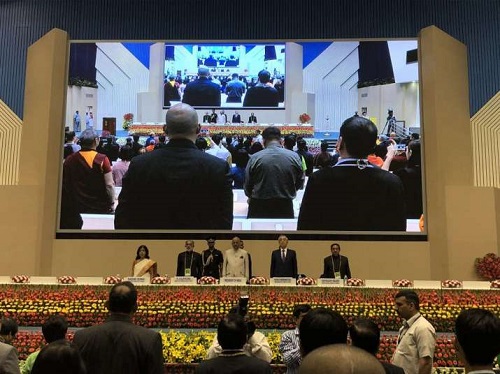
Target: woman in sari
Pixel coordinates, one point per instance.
(143, 266)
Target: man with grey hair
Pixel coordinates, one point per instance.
(87, 177)
(202, 91)
(192, 189)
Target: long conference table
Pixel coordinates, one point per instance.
(303, 130)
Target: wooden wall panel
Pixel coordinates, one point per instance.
(10, 143)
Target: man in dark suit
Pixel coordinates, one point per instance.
(365, 197)
(202, 91)
(335, 265)
(283, 260)
(192, 189)
(236, 118)
(232, 334)
(263, 94)
(118, 346)
(189, 262)
(252, 118)
(170, 91)
(365, 334)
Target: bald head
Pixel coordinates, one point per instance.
(122, 298)
(182, 122)
(340, 359)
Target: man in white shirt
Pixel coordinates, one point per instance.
(478, 340)
(236, 261)
(417, 337)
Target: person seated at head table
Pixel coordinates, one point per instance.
(143, 266)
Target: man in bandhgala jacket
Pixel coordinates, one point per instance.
(336, 265)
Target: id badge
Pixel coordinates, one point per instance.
(337, 274)
(187, 272)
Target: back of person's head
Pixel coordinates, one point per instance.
(136, 138)
(8, 327)
(321, 327)
(415, 136)
(162, 138)
(122, 298)
(301, 309)
(478, 334)
(54, 328)
(126, 153)
(411, 297)
(340, 359)
(264, 76)
(359, 136)
(256, 147)
(201, 143)
(324, 146)
(69, 136)
(289, 141)
(241, 158)
(365, 334)
(415, 156)
(234, 76)
(59, 357)
(380, 149)
(271, 133)
(232, 332)
(181, 120)
(203, 71)
(216, 138)
(87, 138)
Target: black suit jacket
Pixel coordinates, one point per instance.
(284, 269)
(120, 347)
(176, 187)
(234, 364)
(252, 119)
(392, 369)
(202, 92)
(261, 96)
(184, 259)
(329, 272)
(369, 199)
(236, 118)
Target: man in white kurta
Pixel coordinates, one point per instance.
(235, 261)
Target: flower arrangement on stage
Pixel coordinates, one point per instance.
(160, 280)
(112, 279)
(451, 283)
(355, 282)
(304, 118)
(207, 280)
(495, 284)
(66, 279)
(261, 281)
(20, 279)
(128, 119)
(306, 281)
(402, 283)
(488, 267)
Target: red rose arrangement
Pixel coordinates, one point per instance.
(402, 283)
(451, 283)
(495, 284)
(306, 281)
(261, 281)
(488, 267)
(112, 279)
(66, 279)
(304, 118)
(20, 279)
(207, 280)
(355, 282)
(160, 280)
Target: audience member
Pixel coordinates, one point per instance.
(340, 359)
(136, 145)
(201, 144)
(365, 334)
(306, 157)
(117, 345)
(289, 142)
(88, 178)
(143, 266)
(324, 158)
(202, 91)
(70, 146)
(53, 329)
(171, 91)
(417, 337)
(9, 363)
(235, 90)
(272, 179)
(336, 265)
(236, 261)
(477, 339)
(183, 177)
(120, 167)
(283, 260)
(234, 353)
(238, 171)
(366, 198)
(289, 346)
(189, 262)
(59, 357)
(218, 150)
(263, 94)
(321, 327)
(161, 142)
(111, 149)
(212, 260)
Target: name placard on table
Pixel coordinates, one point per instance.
(282, 281)
(233, 281)
(136, 280)
(183, 280)
(330, 282)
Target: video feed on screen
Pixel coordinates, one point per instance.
(337, 151)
